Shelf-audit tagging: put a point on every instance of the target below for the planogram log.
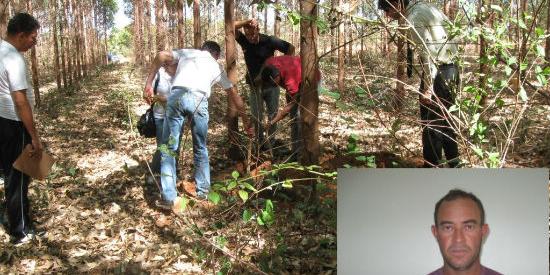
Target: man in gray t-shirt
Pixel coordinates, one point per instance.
(16, 122)
(460, 229)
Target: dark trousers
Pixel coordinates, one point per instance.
(13, 138)
(437, 134)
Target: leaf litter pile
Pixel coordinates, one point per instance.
(100, 216)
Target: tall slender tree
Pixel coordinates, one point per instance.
(231, 68)
(196, 24)
(54, 29)
(148, 37)
(309, 102)
(63, 51)
(341, 53)
(4, 15)
(181, 26)
(401, 64)
(548, 38)
(159, 23)
(277, 21)
(34, 66)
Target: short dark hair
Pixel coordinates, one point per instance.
(269, 73)
(22, 23)
(211, 47)
(455, 194)
(388, 5)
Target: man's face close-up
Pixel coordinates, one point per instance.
(459, 233)
(29, 40)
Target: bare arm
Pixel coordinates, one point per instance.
(238, 102)
(161, 58)
(284, 111)
(24, 110)
(241, 23)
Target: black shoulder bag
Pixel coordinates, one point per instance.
(146, 124)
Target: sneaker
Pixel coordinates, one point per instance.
(166, 205)
(202, 197)
(28, 237)
(23, 240)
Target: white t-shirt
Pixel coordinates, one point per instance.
(198, 70)
(430, 36)
(13, 77)
(163, 89)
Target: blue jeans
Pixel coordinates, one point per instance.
(155, 164)
(257, 98)
(181, 104)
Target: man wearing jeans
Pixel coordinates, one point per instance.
(197, 71)
(439, 76)
(257, 48)
(17, 125)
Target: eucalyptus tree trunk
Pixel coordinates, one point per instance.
(53, 18)
(309, 101)
(181, 26)
(196, 24)
(277, 22)
(548, 31)
(148, 36)
(341, 54)
(231, 68)
(4, 17)
(63, 50)
(34, 67)
(401, 64)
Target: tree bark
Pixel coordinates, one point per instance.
(4, 17)
(341, 54)
(548, 38)
(265, 19)
(350, 42)
(148, 39)
(196, 25)
(277, 22)
(401, 64)
(34, 66)
(231, 68)
(181, 26)
(53, 14)
(309, 102)
(63, 49)
(76, 42)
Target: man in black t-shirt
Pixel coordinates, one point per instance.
(258, 47)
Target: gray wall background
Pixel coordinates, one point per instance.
(385, 215)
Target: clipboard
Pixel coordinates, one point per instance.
(36, 169)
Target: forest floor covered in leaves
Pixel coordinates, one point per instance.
(100, 215)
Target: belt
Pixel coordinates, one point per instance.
(446, 66)
(195, 91)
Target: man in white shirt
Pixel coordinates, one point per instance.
(437, 53)
(16, 122)
(196, 73)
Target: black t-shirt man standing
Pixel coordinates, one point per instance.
(257, 48)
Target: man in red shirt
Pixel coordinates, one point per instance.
(286, 72)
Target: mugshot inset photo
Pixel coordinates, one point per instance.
(443, 221)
